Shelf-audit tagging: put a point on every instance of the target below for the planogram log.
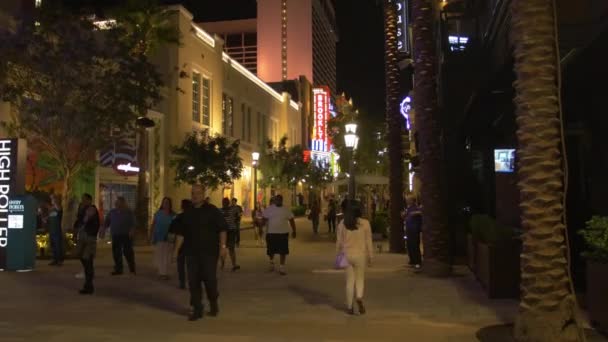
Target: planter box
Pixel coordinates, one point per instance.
(471, 253)
(497, 268)
(597, 295)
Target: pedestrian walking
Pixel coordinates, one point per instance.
(231, 215)
(121, 222)
(239, 211)
(413, 229)
(86, 247)
(332, 212)
(85, 202)
(258, 224)
(315, 211)
(279, 218)
(354, 239)
(55, 231)
(177, 228)
(159, 236)
(204, 240)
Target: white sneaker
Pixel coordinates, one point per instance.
(79, 275)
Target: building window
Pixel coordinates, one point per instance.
(196, 96)
(206, 101)
(243, 123)
(264, 128)
(227, 115)
(249, 124)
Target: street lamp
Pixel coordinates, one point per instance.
(351, 140)
(255, 156)
(143, 200)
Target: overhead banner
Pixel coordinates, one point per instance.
(13, 156)
(403, 35)
(320, 140)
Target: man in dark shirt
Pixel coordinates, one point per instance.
(204, 240)
(413, 227)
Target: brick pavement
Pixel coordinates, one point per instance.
(255, 305)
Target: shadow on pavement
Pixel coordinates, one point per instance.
(504, 333)
(496, 333)
(313, 297)
(137, 295)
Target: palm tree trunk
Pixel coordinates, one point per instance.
(548, 310)
(434, 214)
(393, 120)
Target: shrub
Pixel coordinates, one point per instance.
(595, 235)
(298, 210)
(485, 229)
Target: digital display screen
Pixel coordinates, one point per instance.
(504, 160)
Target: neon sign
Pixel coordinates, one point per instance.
(127, 168)
(320, 139)
(403, 38)
(405, 107)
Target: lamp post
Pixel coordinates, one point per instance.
(351, 140)
(143, 200)
(255, 156)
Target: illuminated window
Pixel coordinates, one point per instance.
(227, 115)
(196, 97)
(248, 124)
(243, 123)
(206, 101)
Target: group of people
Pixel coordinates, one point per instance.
(202, 236)
(331, 216)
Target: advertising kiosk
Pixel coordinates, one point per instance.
(17, 211)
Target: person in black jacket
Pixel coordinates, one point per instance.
(176, 228)
(86, 248)
(204, 241)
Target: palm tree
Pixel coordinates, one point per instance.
(145, 27)
(393, 121)
(548, 310)
(436, 236)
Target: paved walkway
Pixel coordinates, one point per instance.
(255, 305)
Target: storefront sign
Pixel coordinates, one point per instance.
(12, 182)
(320, 139)
(403, 36)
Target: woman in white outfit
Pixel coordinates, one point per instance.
(354, 239)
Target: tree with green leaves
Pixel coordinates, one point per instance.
(207, 161)
(70, 109)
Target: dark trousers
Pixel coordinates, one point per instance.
(122, 244)
(57, 246)
(331, 222)
(202, 269)
(315, 223)
(89, 272)
(238, 233)
(413, 248)
(181, 266)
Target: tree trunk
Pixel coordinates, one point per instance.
(393, 120)
(67, 220)
(434, 214)
(548, 310)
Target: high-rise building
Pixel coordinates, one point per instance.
(297, 37)
(240, 40)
